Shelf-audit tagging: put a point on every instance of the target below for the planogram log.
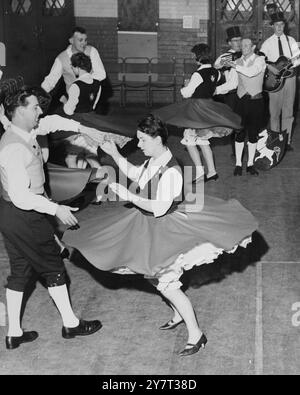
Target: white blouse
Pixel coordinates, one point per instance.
(169, 186)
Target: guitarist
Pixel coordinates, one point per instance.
(281, 102)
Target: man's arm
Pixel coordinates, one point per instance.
(252, 71)
(13, 160)
(52, 79)
(99, 72)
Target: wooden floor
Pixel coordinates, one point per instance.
(248, 305)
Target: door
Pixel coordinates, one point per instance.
(35, 31)
(56, 21)
(20, 38)
(253, 18)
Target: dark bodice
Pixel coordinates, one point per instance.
(88, 95)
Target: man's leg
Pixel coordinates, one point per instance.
(289, 93)
(275, 107)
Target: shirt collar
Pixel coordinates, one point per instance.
(276, 37)
(70, 53)
(85, 77)
(252, 57)
(162, 160)
(22, 133)
(204, 66)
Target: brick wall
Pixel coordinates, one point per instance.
(96, 8)
(100, 18)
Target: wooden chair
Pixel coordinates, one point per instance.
(136, 76)
(189, 68)
(162, 77)
(114, 71)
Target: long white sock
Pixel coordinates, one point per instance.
(251, 153)
(14, 303)
(239, 148)
(61, 298)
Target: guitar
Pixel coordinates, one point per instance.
(274, 80)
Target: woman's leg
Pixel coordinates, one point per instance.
(195, 156)
(209, 160)
(71, 161)
(189, 140)
(184, 308)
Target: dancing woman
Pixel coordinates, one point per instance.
(201, 117)
(155, 235)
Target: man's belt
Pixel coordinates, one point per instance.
(255, 97)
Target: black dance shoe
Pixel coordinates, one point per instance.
(191, 349)
(170, 325)
(84, 328)
(215, 178)
(251, 170)
(238, 171)
(197, 179)
(13, 342)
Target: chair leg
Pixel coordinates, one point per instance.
(150, 98)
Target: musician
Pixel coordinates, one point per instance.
(250, 69)
(281, 102)
(226, 92)
(229, 88)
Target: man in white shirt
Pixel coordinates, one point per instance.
(62, 64)
(24, 209)
(226, 92)
(282, 102)
(228, 89)
(250, 106)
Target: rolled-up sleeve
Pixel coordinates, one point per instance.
(188, 90)
(52, 79)
(98, 72)
(52, 123)
(73, 99)
(13, 162)
(252, 71)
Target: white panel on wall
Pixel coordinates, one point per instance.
(177, 9)
(96, 8)
(2, 55)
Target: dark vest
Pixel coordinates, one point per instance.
(150, 189)
(88, 95)
(210, 78)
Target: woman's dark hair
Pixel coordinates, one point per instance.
(202, 53)
(153, 127)
(19, 99)
(82, 61)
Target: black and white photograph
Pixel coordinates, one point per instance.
(149, 196)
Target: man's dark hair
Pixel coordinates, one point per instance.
(82, 61)
(19, 99)
(78, 29)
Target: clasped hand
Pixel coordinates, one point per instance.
(110, 148)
